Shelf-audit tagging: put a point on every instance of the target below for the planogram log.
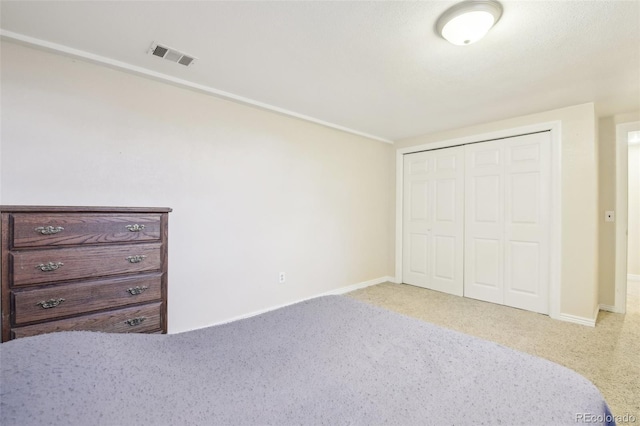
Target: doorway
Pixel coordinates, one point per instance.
(624, 132)
(633, 226)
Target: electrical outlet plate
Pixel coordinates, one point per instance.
(282, 277)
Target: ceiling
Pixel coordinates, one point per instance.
(374, 68)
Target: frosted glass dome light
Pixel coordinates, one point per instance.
(469, 21)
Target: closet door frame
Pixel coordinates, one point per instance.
(555, 247)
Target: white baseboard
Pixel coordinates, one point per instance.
(631, 277)
(338, 291)
(353, 287)
(609, 308)
(591, 322)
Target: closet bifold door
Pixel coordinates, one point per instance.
(507, 221)
(484, 221)
(433, 219)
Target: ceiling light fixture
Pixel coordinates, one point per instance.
(467, 22)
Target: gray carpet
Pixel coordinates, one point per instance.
(330, 360)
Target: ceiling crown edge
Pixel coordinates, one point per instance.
(145, 72)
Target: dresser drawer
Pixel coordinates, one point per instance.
(62, 264)
(83, 268)
(57, 229)
(87, 296)
(138, 319)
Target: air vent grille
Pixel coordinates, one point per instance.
(185, 60)
(160, 51)
(172, 55)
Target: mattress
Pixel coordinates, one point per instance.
(329, 360)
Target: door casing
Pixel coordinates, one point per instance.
(622, 205)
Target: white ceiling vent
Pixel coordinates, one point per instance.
(172, 55)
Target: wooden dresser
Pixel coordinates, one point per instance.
(83, 268)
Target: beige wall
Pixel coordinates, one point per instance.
(607, 201)
(256, 193)
(253, 192)
(633, 260)
(579, 282)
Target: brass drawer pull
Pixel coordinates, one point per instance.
(135, 321)
(48, 230)
(51, 303)
(137, 290)
(48, 267)
(136, 259)
(135, 228)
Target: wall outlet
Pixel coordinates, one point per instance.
(609, 216)
(282, 277)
